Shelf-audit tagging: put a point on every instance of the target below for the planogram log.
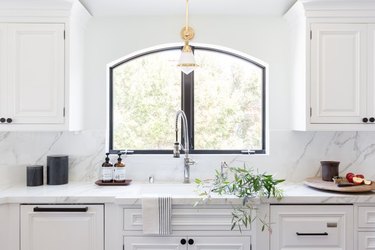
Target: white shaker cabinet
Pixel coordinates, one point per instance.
(365, 227)
(338, 73)
(371, 70)
(206, 228)
(33, 91)
(332, 65)
(186, 243)
(305, 227)
(41, 66)
(62, 227)
(3, 69)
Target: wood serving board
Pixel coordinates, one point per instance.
(100, 183)
(317, 182)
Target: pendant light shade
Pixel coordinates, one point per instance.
(187, 60)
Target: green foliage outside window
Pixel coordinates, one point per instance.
(228, 102)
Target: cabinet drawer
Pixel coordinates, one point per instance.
(366, 240)
(366, 217)
(304, 227)
(73, 227)
(186, 219)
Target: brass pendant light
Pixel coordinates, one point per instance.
(187, 60)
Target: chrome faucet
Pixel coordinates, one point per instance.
(176, 148)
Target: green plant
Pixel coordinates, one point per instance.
(243, 183)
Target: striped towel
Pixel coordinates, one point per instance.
(156, 214)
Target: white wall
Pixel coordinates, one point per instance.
(264, 38)
(293, 155)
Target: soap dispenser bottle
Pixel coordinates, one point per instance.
(107, 170)
(119, 175)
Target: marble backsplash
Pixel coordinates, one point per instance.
(292, 155)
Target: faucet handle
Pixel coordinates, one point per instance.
(223, 166)
(190, 162)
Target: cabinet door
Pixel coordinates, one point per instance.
(338, 73)
(63, 228)
(366, 240)
(155, 243)
(219, 243)
(318, 227)
(36, 73)
(371, 71)
(3, 70)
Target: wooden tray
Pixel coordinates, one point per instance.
(101, 183)
(317, 182)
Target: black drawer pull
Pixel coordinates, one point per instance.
(312, 234)
(61, 209)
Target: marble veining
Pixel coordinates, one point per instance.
(182, 194)
(292, 155)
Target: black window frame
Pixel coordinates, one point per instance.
(187, 104)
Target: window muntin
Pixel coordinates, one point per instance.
(224, 100)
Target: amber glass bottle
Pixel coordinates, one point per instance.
(107, 170)
(119, 175)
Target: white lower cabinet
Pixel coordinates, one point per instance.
(62, 227)
(366, 240)
(184, 243)
(192, 229)
(154, 243)
(318, 227)
(365, 227)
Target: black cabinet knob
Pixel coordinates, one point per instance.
(191, 241)
(372, 119)
(183, 241)
(2, 120)
(365, 119)
(9, 120)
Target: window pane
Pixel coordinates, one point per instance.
(228, 103)
(147, 93)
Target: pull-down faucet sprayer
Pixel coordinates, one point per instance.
(176, 148)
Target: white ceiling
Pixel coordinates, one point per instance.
(196, 7)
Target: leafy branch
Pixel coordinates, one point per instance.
(243, 183)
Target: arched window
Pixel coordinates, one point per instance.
(224, 100)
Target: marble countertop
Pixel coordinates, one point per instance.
(296, 193)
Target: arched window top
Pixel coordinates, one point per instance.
(224, 100)
(178, 46)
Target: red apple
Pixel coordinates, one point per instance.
(357, 180)
(367, 182)
(349, 177)
(360, 176)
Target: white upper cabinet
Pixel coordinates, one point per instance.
(371, 70)
(333, 62)
(41, 67)
(35, 86)
(338, 73)
(3, 69)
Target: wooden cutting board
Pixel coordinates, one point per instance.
(317, 182)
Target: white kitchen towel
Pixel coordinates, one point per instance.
(156, 214)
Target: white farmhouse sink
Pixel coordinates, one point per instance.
(169, 189)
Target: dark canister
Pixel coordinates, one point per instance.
(57, 169)
(34, 175)
(330, 169)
